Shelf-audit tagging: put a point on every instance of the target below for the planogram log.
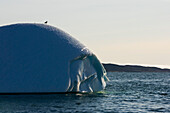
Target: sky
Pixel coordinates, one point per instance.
(117, 31)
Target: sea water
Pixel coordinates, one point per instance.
(125, 92)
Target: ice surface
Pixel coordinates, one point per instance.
(37, 58)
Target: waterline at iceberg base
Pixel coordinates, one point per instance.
(38, 58)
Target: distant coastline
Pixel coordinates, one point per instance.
(132, 68)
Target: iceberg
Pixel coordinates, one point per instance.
(38, 58)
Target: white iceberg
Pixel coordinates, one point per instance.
(38, 58)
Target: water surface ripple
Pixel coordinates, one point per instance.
(125, 92)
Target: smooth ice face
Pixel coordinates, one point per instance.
(37, 58)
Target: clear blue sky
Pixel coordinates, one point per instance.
(117, 31)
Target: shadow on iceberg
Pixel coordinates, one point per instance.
(38, 58)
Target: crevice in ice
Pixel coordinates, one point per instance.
(86, 74)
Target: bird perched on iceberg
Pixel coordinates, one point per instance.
(45, 22)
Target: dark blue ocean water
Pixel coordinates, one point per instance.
(125, 92)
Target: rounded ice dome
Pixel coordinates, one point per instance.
(38, 58)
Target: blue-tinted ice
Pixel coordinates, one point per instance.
(38, 58)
